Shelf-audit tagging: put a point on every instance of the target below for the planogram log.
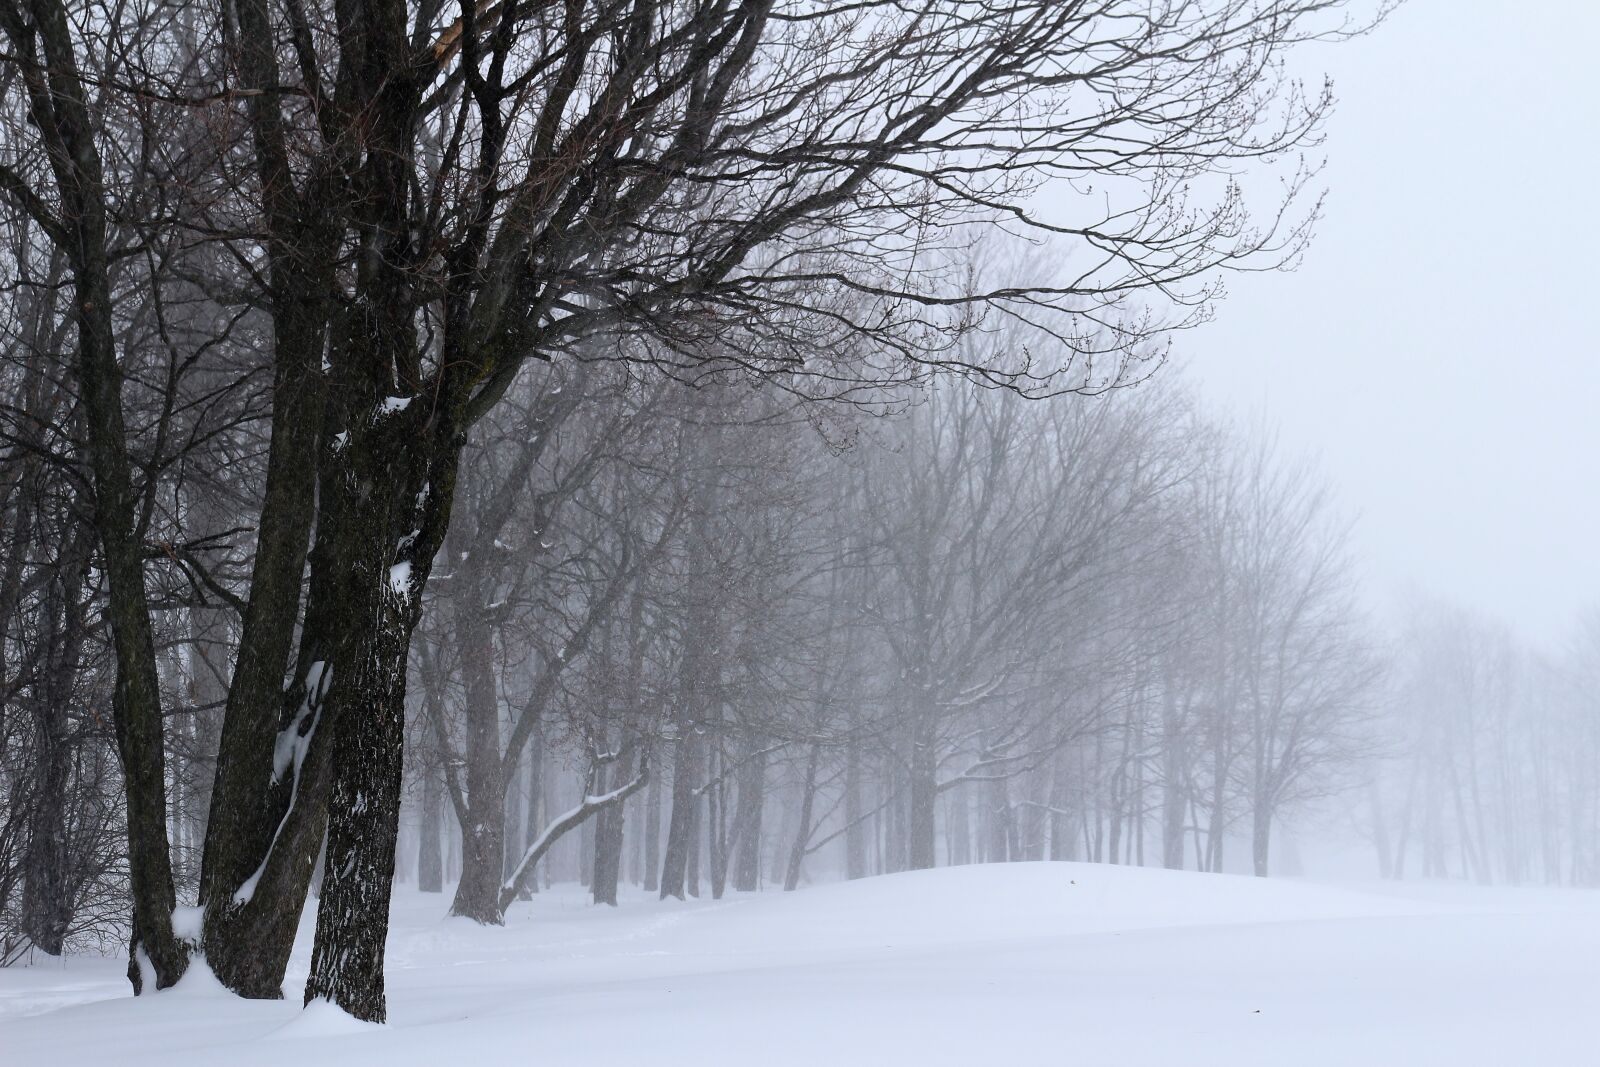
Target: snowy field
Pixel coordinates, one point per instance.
(1008, 964)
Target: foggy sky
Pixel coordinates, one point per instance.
(1436, 348)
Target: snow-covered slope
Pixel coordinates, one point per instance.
(1012, 964)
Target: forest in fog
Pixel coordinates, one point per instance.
(714, 638)
(684, 448)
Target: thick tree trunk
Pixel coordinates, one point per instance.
(266, 819)
(250, 931)
(363, 822)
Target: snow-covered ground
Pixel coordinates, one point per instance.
(1021, 963)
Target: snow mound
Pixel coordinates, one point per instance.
(323, 1018)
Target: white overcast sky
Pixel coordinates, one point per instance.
(1436, 350)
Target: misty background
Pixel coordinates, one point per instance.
(1436, 348)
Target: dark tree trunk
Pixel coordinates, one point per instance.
(363, 822)
(249, 933)
(266, 820)
(59, 107)
(47, 890)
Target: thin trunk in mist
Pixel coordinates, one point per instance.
(681, 820)
(430, 856)
(747, 819)
(652, 836)
(608, 832)
(923, 795)
(802, 832)
(855, 835)
(1174, 786)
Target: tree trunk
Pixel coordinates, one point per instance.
(652, 837)
(997, 848)
(924, 794)
(680, 823)
(534, 823)
(430, 858)
(608, 838)
(267, 819)
(855, 835)
(693, 847)
(483, 839)
(802, 833)
(1260, 837)
(363, 822)
(59, 107)
(1173, 798)
(747, 821)
(47, 891)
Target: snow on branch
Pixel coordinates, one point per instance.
(561, 825)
